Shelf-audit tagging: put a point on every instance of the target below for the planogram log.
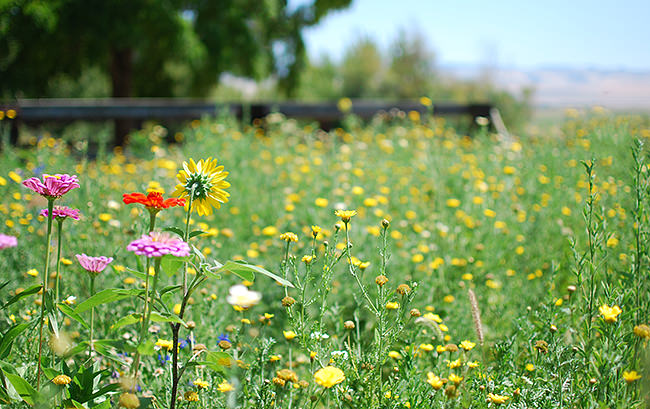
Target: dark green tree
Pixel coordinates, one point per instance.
(151, 48)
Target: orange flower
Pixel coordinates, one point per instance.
(153, 201)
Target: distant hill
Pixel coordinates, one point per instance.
(565, 87)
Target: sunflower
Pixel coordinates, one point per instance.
(208, 182)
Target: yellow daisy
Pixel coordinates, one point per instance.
(208, 181)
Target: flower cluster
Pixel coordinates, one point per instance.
(157, 244)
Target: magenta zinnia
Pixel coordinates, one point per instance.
(156, 244)
(7, 241)
(52, 186)
(62, 212)
(93, 264)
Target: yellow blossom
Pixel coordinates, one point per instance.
(329, 376)
(610, 314)
(434, 381)
(498, 399)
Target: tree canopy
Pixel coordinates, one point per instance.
(152, 48)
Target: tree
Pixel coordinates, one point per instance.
(411, 69)
(362, 69)
(152, 48)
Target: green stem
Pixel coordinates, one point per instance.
(50, 209)
(354, 273)
(187, 237)
(92, 314)
(58, 260)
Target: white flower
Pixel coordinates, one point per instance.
(70, 300)
(317, 335)
(340, 354)
(242, 297)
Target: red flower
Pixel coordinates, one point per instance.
(152, 201)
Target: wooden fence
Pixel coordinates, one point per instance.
(128, 113)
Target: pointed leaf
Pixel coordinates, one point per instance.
(24, 389)
(196, 233)
(9, 337)
(64, 308)
(170, 264)
(29, 291)
(175, 230)
(165, 317)
(128, 320)
(246, 271)
(105, 296)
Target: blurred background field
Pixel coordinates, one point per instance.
(546, 224)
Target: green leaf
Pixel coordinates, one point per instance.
(104, 297)
(196, 233)
(170, 264)
(147, 348)
(218, 361)
(170, 288)
(175, 230)
(128, 320)
(9, 337)
(29, 291)
(165, 317)
(246, 271)
(24, 389)
(139, 274)
(64, 308)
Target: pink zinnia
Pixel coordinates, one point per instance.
(62, 212)
(7, 241)
(52, 186)
(156, 244)
(93, 264)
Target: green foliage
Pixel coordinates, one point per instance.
(159, 48)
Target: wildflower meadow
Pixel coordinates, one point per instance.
(400, 263)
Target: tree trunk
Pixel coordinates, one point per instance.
(122, 82)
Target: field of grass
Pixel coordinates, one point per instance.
(476, 272)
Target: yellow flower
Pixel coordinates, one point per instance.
(631, 376)
(191, 396)
(33, 272)
(642, 331)
(455, 378)
(329, 376)
(434, 381)
(315, 230)
(498, 399)
(426, 347)
(307, 259)
(163, 343)
(472, 364)
(467, 345)
(454, 364)
(530, 367)
(65, 379)
(610, 314)
(391, 305)
(224, 387)
(453, 202)
(289, 335)
(270, 231)
(208, 181)
(395, 355)
(345, 215)
(201, 384)
(289, 237)
(612, 242)
(321, 202)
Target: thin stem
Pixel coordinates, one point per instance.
(50, 209)
(58, 259)
(145, 312)
(354, 273)
(92, 314)
(187, 236)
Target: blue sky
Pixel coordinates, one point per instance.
(506, 33)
